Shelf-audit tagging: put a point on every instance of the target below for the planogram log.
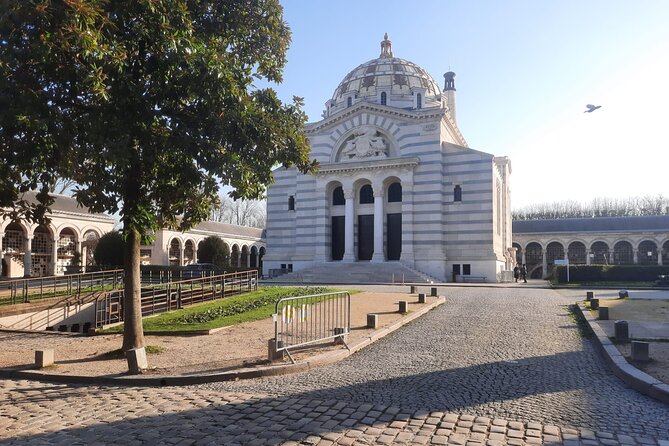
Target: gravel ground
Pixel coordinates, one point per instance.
(514, 353)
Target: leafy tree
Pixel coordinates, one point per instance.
(109, 250)
(214, 250)
(148, 106)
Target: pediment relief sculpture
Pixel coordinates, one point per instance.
(364, 143)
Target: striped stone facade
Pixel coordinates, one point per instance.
(452, 212)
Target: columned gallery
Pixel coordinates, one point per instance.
(397, 182)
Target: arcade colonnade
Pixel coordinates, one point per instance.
(540, 253)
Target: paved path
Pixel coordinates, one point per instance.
(492, 366)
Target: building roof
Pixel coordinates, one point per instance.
(598, 224)
(66, 204)
(225, 228)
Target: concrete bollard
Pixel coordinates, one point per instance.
(403, 306)
(372, 320)
(623, 293)
(589, 295)
(341, 332)
(640, 351)
(44, 358)
(594, 304)
(421, 298)
(433, 292)
(603, 313)
(413, 290)
(621, 331)
(272, 354)
(136, 360)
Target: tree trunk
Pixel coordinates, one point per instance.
(133, 332)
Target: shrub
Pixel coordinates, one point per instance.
(214, 250)
(109, 250)
(610, 273)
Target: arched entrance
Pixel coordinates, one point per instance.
(175, 253)
(42, 251)
(254, 257)
(647, 253)
(189, 252)
(534, 260)
(67, 247)
(576, 253)
(394, 221)
(623, 253)
(365, 237)
(600, 253)
(244, 259)
(14, 247)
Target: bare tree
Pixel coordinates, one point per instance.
(598, 207)
(251, 213)
(62, 185)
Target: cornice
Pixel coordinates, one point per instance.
(359, 166)
(414, 115)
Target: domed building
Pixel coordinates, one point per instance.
(397, 184)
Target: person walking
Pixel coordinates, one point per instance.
(523, 273)
(516, 273)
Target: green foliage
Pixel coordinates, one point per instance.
(610, 273)
(243, 306)
(109, 250)
(214, 250)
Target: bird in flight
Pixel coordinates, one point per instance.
(591, 108)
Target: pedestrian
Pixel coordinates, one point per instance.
(523, 273)
(516, 273)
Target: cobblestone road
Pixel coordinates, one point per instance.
(492, 366)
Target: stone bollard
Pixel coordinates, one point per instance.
(372, 320)
(621, 331)
(413, 290)
(272, 354)
(603, 313)
(623, 293)
(403, 306)
(594, 304)
(136, 360)
(640, 351)
(44, 358)
(421, 298)
(433, 292)
(589, 295)
(341, 331)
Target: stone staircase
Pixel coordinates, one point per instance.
(358, 272)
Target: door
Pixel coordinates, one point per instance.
(394, 231)
(365, 237)
(337, 241)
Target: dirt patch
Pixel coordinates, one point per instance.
(651, 310)
(237, 346)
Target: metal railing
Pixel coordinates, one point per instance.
(305, 320)
(163, 297)
(24, 290)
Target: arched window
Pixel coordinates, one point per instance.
(366, 194)
(338, 198)
(291, 203)
(395, 193)
(457, 193)
(384, 98)
(349, 101)
(419, 101)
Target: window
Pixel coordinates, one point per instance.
(338, 198)
(419, 101)
(456, 269)
(395, 193)
(291, 203)
(384, 98)
(457, 193)
(466, 269)
(349, 101)
(366, 194)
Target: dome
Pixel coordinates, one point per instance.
(392, 74)
(386, 80)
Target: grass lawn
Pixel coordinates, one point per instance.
(221, 313)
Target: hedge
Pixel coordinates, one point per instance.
(610, 273)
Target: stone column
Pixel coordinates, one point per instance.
(349, 246)
(378, 225)
(182, 251)
(28, 257)
(523, 260)
(54, 255)
(2, 254)
(544, 262)
(636, 256)
(659, 255)
(587, 257)
(248, 258)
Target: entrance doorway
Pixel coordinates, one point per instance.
(337, 241)
(365, 237)
(394, 234)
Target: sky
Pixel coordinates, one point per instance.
(524, 72)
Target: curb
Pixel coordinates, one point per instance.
(244, 373)
(635, 378)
